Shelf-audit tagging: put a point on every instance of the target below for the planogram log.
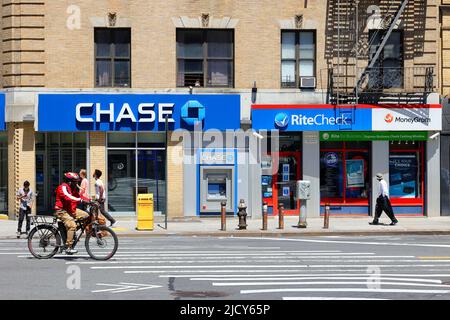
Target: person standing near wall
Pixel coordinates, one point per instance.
(84, 188)
(25, 196)
(383, 203)
(100, 195)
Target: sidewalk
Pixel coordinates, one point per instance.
(211, 227)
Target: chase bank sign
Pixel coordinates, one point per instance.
(136, 112)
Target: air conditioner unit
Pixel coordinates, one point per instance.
(307, 82)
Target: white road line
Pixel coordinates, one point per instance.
(328, 283)
(329, 298)
(362, 290)
(293, 261)
(354, 242)
(382, 278)
(325, 258)
(285, 276)
(312, 272)
(231, 254)
(262, 266)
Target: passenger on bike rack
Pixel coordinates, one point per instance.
(67, 199)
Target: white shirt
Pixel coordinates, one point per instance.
(383, 189)
(26, 201)
(98, 184)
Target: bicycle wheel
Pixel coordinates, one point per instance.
(103, 245)
(44, 241)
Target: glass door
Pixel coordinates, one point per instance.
(152, 177)
(121, 193)
(285, 182)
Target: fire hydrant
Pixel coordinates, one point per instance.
(242, 214)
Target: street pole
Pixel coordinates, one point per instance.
(264, 216)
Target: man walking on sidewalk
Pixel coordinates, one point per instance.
(383, 203)
(25, 196)
(100, 195)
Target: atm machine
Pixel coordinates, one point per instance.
(217, 184)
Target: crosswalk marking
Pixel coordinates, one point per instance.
(268, 271)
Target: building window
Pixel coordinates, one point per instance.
(205, 58)
(406, 171)
(298, 57)
(136, 165)
(112, 57)
(56, 153)
(345, 173)
(388, 69)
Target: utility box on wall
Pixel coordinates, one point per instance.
(303, 190)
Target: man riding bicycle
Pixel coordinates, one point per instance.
(67, 199)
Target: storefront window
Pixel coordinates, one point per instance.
(56, 153)
(136, 165)
(345, 172)
(3, 172)
(406, 170)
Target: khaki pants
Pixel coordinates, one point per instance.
(69, 222)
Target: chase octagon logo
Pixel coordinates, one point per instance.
(389, 118)
(281, 120)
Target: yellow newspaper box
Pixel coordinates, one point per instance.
(145, 212)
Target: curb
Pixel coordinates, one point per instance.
(256, 234)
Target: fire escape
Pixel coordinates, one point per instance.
(359, 55)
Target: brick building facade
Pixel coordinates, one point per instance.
(278, 53)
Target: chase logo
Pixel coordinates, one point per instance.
(193, 112)
(282, 120)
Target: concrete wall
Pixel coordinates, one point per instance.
(311, 170)
(380, 164)
(432, 186)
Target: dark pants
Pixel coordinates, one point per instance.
(384, 204)
(105, 213)
(22, 214)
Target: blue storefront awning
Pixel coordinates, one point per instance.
(2, 112)
(137, 112)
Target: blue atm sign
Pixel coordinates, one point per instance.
(136, 112)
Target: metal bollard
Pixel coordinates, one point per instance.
(326, 217)
(302, 215)
(223, 215)
(281, 216)
(264, 216)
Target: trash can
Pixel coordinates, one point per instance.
(145, 212)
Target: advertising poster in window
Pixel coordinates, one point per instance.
(331, 175)
(355, 173)
(403, 175)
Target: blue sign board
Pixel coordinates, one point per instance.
(137, 112)
(311, 118)
(2, 112)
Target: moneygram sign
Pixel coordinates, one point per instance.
(421, 118)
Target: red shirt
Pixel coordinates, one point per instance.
(66, 199)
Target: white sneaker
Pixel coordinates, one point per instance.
(18, 234)
(71, 251)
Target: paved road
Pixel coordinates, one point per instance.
(237, 268)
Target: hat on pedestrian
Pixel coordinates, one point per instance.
(379, 176)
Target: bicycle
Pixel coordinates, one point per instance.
(48, 237)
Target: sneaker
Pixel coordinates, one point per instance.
(71, 251)
(393, 223)
(18, 233)
(374, 223)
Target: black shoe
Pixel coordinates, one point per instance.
(374, 223)
(393, 223)
(112, 223)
